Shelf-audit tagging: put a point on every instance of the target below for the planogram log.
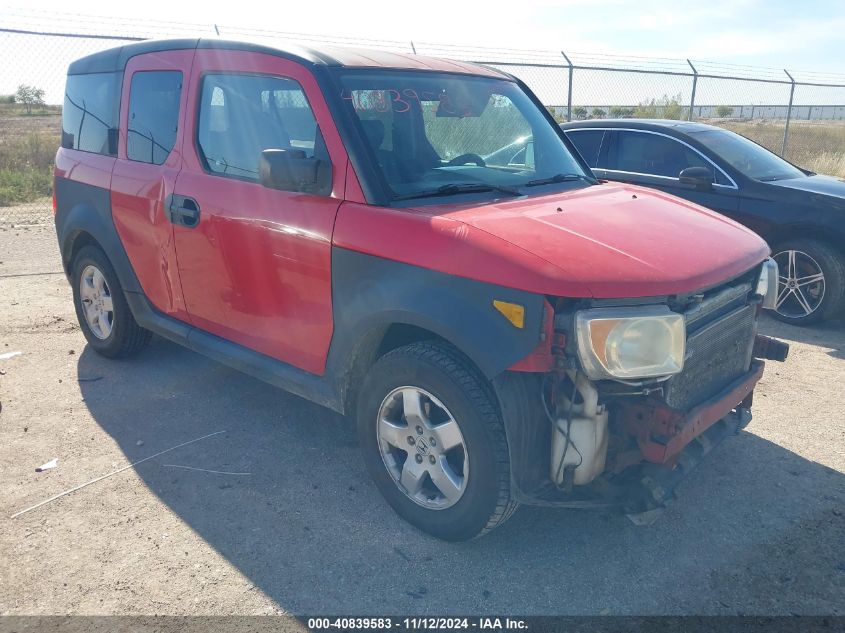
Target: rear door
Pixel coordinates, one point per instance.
(153, 106)
(652, 159)
(255, 262)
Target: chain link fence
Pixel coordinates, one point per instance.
(800, 116)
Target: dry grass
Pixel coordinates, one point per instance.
(27, 148)
(26, 166)
(18, 109)
(815, 145)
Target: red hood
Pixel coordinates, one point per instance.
(623, 240)
(606, 241)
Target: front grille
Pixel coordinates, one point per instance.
(720, 337)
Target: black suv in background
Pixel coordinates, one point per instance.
(800, 214)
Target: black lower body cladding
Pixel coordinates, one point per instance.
(369, 291)
(85, 209)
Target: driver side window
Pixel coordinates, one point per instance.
(654, 155)
(242, 115)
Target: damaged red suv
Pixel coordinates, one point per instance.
(340, 224)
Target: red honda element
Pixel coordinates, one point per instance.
(415, 243)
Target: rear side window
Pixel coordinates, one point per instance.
(153, 115)
(242, 115)
(588, 144)
(90, 113)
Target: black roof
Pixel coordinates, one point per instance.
(114, 59)
(640, 124)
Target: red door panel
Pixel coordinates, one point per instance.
(138, 192)
(256, 269)
(262, 279)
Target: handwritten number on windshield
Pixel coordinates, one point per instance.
(380, 100)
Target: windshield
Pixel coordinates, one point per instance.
(746, 156)
(439, 134)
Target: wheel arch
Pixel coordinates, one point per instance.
(73, 243)
(379, 304)
(803, 231)
(377, 341)
(84, 213)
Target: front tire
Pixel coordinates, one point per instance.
(434, 442)
(102, 310)
(811, 281)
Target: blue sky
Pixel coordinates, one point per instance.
(806, 36)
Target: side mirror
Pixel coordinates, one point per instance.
(698, 177)
(292, 170)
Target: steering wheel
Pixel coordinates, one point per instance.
(463, 159)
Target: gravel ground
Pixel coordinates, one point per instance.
(31, 213)
(758, 528)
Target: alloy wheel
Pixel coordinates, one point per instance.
(422, 448)
(97, 305)
(801, 284)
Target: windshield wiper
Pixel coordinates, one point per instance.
(453, 188)
(559, 178)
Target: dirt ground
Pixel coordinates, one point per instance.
(757, 529)
(17, 126)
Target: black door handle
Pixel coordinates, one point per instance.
(183, 210)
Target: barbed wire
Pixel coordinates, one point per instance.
(35, 20)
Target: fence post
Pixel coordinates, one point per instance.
(694, 84)
(569, 93)
(788, 114)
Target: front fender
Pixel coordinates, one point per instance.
(371, 292)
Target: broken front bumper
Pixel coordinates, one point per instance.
(664, 444)
(662, 432)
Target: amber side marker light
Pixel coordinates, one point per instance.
(513, 312)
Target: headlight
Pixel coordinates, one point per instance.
(767, 284)
(630, 343)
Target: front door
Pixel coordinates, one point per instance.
(654, 160)
(255, 262)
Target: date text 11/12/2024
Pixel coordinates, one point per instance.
(417, 623)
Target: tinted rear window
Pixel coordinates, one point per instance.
(153, 115)
(90, 113)
(588, 144)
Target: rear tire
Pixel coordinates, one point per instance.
(473, 451)
(102, 310)
(811, 285)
